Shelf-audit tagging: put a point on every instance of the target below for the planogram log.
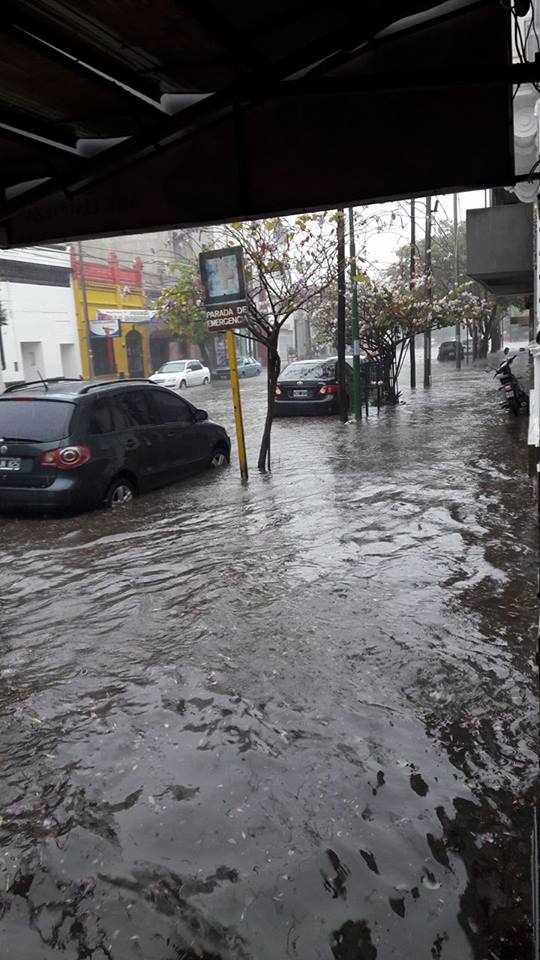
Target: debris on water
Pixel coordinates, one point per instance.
(397, 904)
(428, 880)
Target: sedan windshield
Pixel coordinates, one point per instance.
(25, 418)
(175, 366)
(308, 370)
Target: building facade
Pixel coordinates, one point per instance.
(110, 286)
(39, 337)
(153, 256)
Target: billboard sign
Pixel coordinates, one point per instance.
(129, 316)
(104, 325)
(107, 322)
(222, 277)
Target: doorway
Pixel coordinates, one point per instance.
(69, 360)
(32, 360)
(134, 354)
(103, 356)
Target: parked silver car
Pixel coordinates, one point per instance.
(247, 367)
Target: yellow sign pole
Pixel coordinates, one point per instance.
(237, 404)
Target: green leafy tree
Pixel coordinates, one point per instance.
(288, 262)
(180, 306)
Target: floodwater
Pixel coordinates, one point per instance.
(289, 720)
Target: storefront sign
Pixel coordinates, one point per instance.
(104, 325)
(129, 316)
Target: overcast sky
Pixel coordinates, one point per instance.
(382, 247)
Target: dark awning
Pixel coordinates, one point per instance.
(124, 116)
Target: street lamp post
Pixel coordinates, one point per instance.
(357, 392)
(456, 281)
(412, 271)
(427, 270)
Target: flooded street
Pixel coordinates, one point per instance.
(293, 719)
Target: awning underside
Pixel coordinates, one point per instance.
(130, 116)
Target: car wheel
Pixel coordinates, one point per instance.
(120, 492)
(182, 385)
(257, 373)
(220, 458)
(205, 381)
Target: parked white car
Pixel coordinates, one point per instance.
(178, 374)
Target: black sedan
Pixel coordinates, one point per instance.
(308, 387)
(448, 350)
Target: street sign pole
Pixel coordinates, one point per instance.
(357, 393)
(237, 405)
(224, 286)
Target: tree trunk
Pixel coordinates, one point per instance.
(496, 337)
(390, 377)
(475, 342)
(274, 366)
(486, 334)
(496, 342)
(484, 345)
(205, 354)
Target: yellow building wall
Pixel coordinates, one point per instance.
(103, 296)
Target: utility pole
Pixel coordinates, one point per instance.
(82, 284)
(2, 360)
(412, 272)
(340, 235)
(357, 393)
(456, 281)
(427, 271)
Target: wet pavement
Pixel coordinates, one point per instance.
(294, 719)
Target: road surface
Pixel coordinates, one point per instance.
(289, 719)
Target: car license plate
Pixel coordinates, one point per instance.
(10, 463)
(300, 393)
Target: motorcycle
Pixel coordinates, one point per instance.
(514, 396)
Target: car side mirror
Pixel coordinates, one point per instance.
(200, 415)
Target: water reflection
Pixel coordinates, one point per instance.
(289, 720)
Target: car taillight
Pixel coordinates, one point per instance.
(65, 458)
(278, 391)
(328, 388)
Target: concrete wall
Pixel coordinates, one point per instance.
(500, 248)
(41, 330)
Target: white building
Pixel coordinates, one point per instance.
(40, 336)
(295, 337)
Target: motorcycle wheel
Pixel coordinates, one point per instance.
(514, 406)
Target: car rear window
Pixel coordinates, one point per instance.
(309, 371)
(25, 418)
